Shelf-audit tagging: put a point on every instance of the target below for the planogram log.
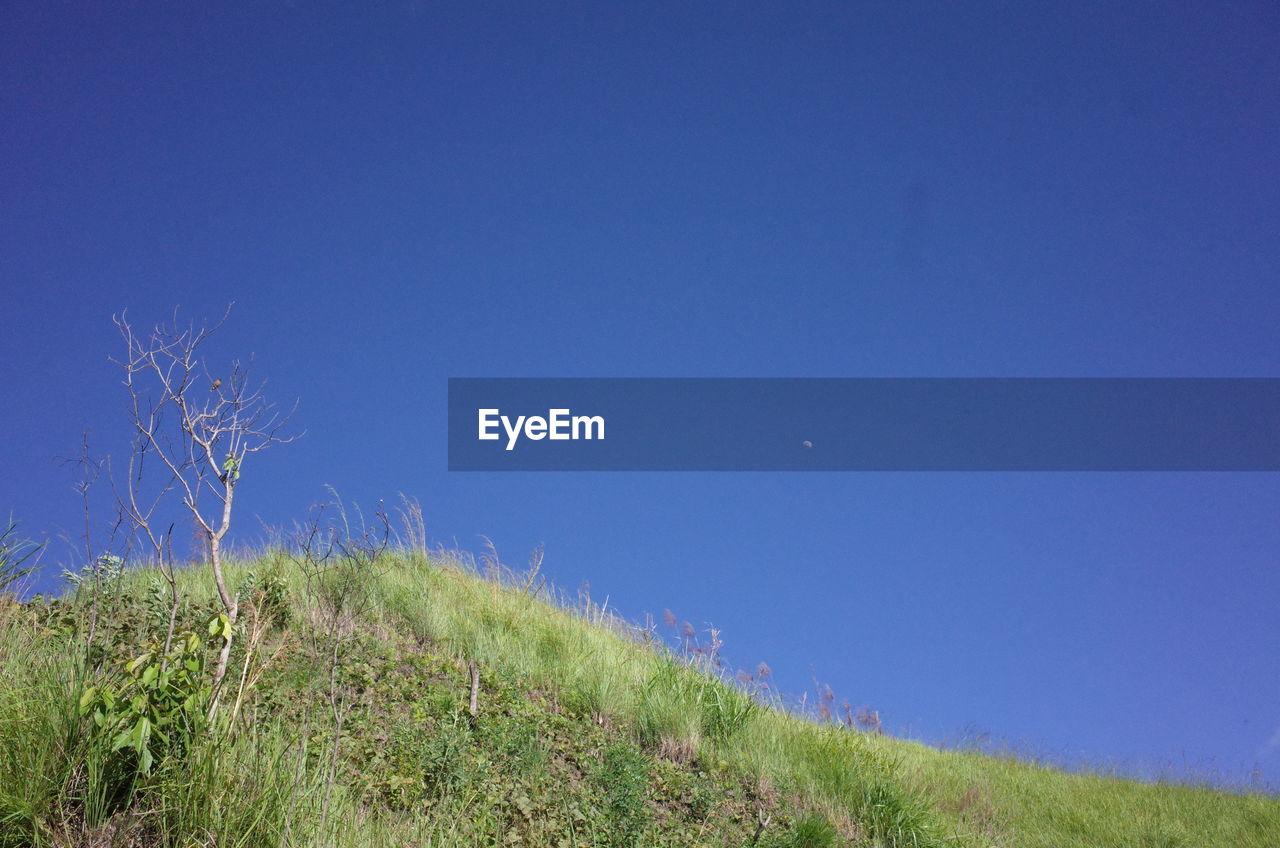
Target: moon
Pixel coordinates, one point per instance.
(807, 443)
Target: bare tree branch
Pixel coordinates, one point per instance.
(200, 428)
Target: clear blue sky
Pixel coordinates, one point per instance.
(414, 191)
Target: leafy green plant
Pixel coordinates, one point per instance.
(269, 594)
(103, 572)
(159, 603)
(156, 707)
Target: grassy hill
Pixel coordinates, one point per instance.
(347, 720)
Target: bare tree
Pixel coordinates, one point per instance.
(200, 428)
(89, 472)
(137, 504)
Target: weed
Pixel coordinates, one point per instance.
(622, 780)
(810, 831)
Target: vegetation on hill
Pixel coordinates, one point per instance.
(388, 697)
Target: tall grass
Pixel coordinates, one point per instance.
(892, 792)
(673, 705)
(267, 784)
(57, 785)
(39, 739)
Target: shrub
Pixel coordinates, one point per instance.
(150, 713)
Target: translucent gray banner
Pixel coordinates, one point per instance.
(1068, 424)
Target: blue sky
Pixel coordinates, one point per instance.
(398, 193)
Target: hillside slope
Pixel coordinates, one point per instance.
(348, 721)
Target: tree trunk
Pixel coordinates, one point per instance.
(231, 607)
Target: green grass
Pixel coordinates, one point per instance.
(589, 733)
